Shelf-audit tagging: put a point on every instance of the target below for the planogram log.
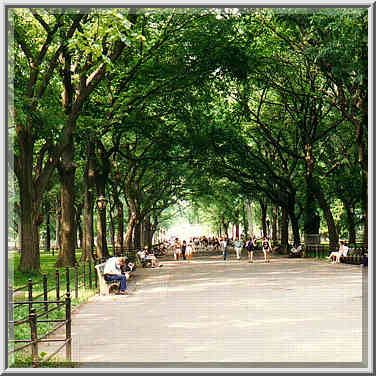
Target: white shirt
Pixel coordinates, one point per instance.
(111, 266)
(345, 249)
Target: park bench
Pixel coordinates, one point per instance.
(354, 256)
(143, 263)
(108, 287)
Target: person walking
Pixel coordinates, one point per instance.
(238, 245)
(266, 247)
(224, 243)
(177, 249)
(189, 250)
(250, 249)
(183, 249)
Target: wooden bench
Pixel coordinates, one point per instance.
(108, 287)
(143, 263)
(354, 256)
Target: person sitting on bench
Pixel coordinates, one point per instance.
(296, 250)
(151, 257)
(342, 251)
(112, 272)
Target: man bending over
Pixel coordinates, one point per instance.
(112, 272)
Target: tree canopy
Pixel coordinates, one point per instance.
(218, 107)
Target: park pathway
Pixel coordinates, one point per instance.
(235, 313)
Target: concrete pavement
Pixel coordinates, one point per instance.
(291, 310)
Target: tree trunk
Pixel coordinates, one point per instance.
(77, 222)
(130, 227)
(284, 230)
(350, 222)
(225, 227)
(48, 232)
(274, 224)
(264, 208)
(58, 228)
(250, 220)
(120, 223)
(147, 232)
(333, 235)
(67, 170)
(295, 227)
(88, 227)
(112, 228)
(244, 220)
(293, 218)
(30, 252)
(237, 230)
(310, 202)
(88, 207)
(137, 234)
(19, 235)
(67, 255)
(146, 228)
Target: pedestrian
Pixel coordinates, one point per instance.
(266, 247)
(250, 249)
(177, 249)
(224, 248)
(238, 244)
(183, 249)
(189, 250)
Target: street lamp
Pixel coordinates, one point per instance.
(101, 237)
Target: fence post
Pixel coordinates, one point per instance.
(10, 311)
(30, 290)
(57, 285)
(76, 280)
(34, 337)
(67, 280)
(45, 294)
(68, 328)
(90, 276)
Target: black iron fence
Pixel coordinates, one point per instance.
(36, 317)
(49, 295)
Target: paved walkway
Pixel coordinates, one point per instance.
(291, 310)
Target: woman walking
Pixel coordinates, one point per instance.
(266, 247)
(177, 249)
(250, 249)
(238, 244)
(188, 251)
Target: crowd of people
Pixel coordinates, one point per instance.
(183, 250)
(118, 268)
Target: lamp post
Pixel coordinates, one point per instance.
(101, 227)
(267, 226)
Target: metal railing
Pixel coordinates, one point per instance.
(33, 319)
